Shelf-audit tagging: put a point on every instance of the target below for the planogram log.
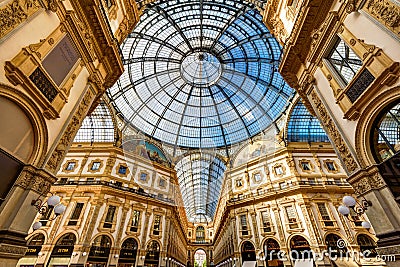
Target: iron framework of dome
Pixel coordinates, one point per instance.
(200, 74)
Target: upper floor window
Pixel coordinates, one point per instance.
(330, 165)
(122, 169)
(257, 177)
(326, 218)
(109, 217)
(243, 225)
(109, 3)
(292, 217)
(70, 166)
(305, 165)
(200, 233)
(143, 176)
(157, 225)
(161, 183)
(135, 220)
(266, 222)
(385, 135)
(95, 166)
(344, 61)
(76, 214)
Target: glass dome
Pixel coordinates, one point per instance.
(304, 127)
(200, 74)
(97, 126)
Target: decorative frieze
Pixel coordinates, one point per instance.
(15, 13)
(368, 183)
(386, 12)
(335, 136)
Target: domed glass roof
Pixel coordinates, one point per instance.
(200, 74)
(304, 127)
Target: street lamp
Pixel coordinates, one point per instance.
(352, 205)
(53, 203)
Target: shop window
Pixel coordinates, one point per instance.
(76, 214)
(367, 246)
(108, 222)
(326, 218)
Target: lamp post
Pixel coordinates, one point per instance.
(52, 204)
(351, 205)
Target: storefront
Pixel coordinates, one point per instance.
(34, 247)
(62, 251)
(127, 256)
(99, 252)
(152, 254)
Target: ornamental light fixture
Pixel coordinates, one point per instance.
(350, 205)
(52, 204)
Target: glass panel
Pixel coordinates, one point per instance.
(201, 74)
(345, 61)
(303, 127)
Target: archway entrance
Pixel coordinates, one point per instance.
(300, 252)
(248, 254)
(200, 258)
(62, 251)
(152, 254)
(128, 253)
(99, 252)
(271, 250)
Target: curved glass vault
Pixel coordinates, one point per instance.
(201, 74)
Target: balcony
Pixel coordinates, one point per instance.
(117, 186)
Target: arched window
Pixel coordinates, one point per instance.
(152, 252)
(64, 246)
(332, 241)
(300, 248)
(367, 246)
(386, 133)
(271, 250)
(248, 252)
(200, 233)
(36, 240)
(128, 252)
(35, 244)
(100, 249)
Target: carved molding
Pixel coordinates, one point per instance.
(35, 180)
(59, 153)
(15, 13)
(366, 183)
(345, 154)
(18, 251)
(386, 12)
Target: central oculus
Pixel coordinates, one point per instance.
(200, 69)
